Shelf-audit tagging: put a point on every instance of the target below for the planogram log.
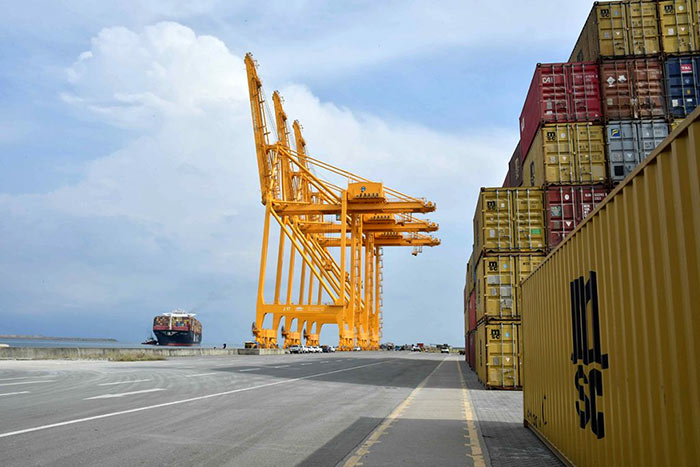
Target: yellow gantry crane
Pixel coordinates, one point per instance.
(329, 228)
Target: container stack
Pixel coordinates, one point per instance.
(562, 143)
(586, 124)
(648, 56)
(509, 241)
(470, 314)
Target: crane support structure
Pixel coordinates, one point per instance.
(333, 226)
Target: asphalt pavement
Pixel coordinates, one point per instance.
(360, 408)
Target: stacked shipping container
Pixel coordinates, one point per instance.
(509, 241)
(586, 125)
(633, 75)
(562, 135)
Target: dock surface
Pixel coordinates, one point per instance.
(360, 408)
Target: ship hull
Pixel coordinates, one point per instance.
(178, 338)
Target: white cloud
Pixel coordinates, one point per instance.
(186, 186)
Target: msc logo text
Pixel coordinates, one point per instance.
(587, 356)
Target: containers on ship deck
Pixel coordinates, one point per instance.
(629, 142)
(498, 355)
(566, 206)
(560, 92)
(618, 29)
(610, 322)
(566, 154)
(633, 88)
(682, 85)
(508, 219)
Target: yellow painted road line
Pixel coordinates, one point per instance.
(379, 431)
(474, 442)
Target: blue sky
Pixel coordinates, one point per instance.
(127, 170)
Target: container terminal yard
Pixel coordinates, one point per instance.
(580, 299)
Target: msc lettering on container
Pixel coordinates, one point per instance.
(587, 356)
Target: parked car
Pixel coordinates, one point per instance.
(445, 350)
(305, 349)
(294, 349)
(415, 348)
(356, 349)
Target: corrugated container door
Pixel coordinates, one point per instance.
(499, 346)
(560, 211)
(651, 133)
(587, 199)
(682, 85)
(528, 219)
(584, 92)
(623, 151)
(612, 30)
(551, 159)
(492, 223)
(496, 277)
(633, 89)
(589, 149)
(644, 28)
(567, 154)
(630, 142)
(676, 25)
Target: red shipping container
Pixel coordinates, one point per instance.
(560, 93)
(472, 310)
(566, 206)
(633, 89)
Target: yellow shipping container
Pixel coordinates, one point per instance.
(498, 284)
(611, 321)
(509, 219)
(469, 280)
(618, 29)
(566, 154)
(498, 355)
(678, 33)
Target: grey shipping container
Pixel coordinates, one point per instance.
(629, 142)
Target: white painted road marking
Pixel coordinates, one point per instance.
(201, 374)
(28, 382)
(26, 377)
(308, 363)
(111, 396)
(281, 366)
(250, 369)
(183, 401)
(13, 393)
(125, 382)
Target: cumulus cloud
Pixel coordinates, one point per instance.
(175, 215)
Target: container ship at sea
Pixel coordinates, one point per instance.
(177, 328)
